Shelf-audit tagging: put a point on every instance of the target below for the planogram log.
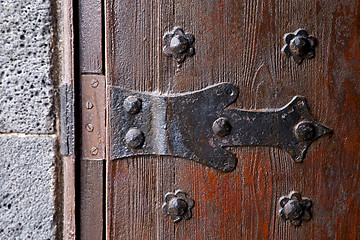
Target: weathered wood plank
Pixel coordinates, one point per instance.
(68, 162)
(91, 36)
(240, 42)
(91, 200)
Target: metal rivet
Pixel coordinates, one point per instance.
(305, 131)
(94, 83)
(89, 127)
(94, 151)
(230, 92)
(178, 206)
(299, 45)
(179, 45)
(132, 105)
(229, 166)
(221, 127)
(295, 209)
(89, 105)
(134, 138)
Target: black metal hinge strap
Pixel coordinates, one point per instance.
(197, 126)
(67, 130)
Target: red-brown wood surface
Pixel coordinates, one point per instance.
(90, 223)
(91, 165)
(91, 115)
(90, 36)
(240, 42)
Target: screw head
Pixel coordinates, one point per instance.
(299, 45)
(89, 105)
(94, 151)
(94, 83)
(179, 44)
(134, 138)
(221, 127)
(305, 131)
(132, 105)
(89, 127)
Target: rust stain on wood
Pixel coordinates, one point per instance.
(242, 204)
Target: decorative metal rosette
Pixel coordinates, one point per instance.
(295, 208)
(178, 205)
(179, 44)
(299, 45)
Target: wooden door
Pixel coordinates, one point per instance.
(239, 42)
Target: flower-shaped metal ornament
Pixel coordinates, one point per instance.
(179, 44)
(299, 45)
(178, 205)
(295, 208)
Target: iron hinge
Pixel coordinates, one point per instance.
(198, 126)
(93, 117)
(67, 120)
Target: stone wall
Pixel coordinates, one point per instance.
(28, 133)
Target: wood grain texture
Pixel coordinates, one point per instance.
(240, 42)
(69, 225)
(91, 201)
(69, 228)
(91, 36)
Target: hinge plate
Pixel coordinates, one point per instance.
(67, 130)
(197, 126)
(93, 102)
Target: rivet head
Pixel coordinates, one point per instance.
(292, 209)
(295, 209)
(179, 44)
(132, 105)
(221, 127)
(305, 131)
(178, 206)
(134, 138)
(299, 45)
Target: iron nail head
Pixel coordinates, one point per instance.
(132, 105)
(134, 138)
(221, 127)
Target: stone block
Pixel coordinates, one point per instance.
(26, 86)
(26, 187)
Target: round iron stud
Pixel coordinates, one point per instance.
(295, 208)
(94, 83)
(221, 127)
(134, 138)
(299, 45)
(179, 44)
(305, 131)
(132, 105)
(177, 206)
